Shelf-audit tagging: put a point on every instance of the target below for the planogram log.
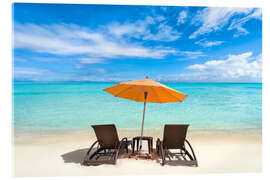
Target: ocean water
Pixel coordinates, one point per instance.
(75, 106)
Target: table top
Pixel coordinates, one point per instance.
(143, 137)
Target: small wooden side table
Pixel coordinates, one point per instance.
(149, 140)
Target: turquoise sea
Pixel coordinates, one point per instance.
(76, 106)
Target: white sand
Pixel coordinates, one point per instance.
(60, 154)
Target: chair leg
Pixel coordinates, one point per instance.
(163, 157)
(162, 154)
(149, 150)
(158, 146)
(151, 145)
(157, 149)
(133, 145)
(127, 147)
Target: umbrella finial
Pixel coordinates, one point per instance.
(146, 77)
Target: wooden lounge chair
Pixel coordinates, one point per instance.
(174, 137)
(107, 145)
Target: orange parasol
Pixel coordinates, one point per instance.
(145, 90)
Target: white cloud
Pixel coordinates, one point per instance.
(98, 70)
(32, 74)
(160, 18)
(205, 43)
(28, 71)
(78, 66)
(236, 68)
(19, 59)
(46, 59)
(182, 17)
(242, 67)
(237, 24)
(215, 18)
(165, 33)
(91, 60)
(73, 40)
(131, 29)
(191, 54)
(104, 78)
(141, 30)
(164, 8)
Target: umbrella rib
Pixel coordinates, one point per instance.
(156, 94)
(140, 91)
(171, 94)
(123, 91)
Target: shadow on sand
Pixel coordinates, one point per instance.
(75, 156)
(78, 155)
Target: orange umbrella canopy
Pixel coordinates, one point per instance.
(156, 92)
(145, 90)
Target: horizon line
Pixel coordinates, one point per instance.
(203, 82)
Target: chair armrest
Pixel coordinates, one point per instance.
(191, 149)
(119, 146)
(87, 156)
(92, 147)
(125, 138)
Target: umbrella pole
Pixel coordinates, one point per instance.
(145, 96)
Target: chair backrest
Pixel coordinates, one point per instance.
(174, 135)
(106, 135)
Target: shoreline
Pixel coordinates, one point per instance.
(134, 131)
(86, 135)
(119, 129)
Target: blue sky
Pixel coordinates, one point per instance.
(58, 42)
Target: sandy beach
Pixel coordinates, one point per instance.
(60, 154)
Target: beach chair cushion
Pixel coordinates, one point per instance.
(174, 136)
(107, 136)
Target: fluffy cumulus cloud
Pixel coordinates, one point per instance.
(242, 67)
(214, 19)
(66, 39)
(235, 68)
